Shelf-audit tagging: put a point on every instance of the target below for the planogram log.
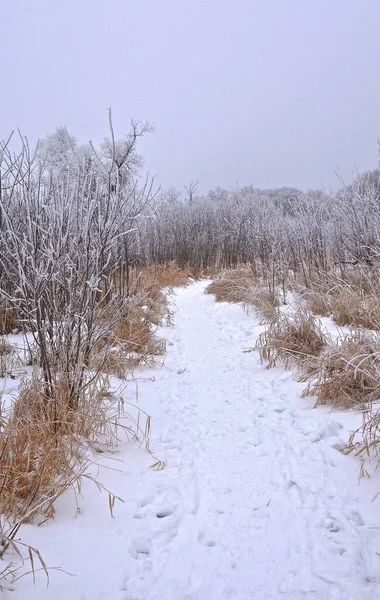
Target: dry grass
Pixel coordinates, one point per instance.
(133, 340)
(9, 358)
(365, 442)
(157, 277)
(351, 298)
(10, 572)
(5, 347)
(169, 275)
(351, 307)
(45, 447)
(115, 361)
(135, 329)
(240, 285)
(364, 278)
(202, 272)
(318, 303)
(346, 306)
(9, 320)
(346, 374)
(266, 304)
(292, 340)
(234, 285)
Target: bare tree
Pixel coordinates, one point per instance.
(191, 190)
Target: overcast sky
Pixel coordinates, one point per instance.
(262, 92)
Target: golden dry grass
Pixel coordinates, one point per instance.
(234, 285)
(202, 272)
(240, 285)
(346, 374)
(351, 307)
(9, 358)
(133, 340)
(351, 299)
(365, 278)
(170, 275)
(9, 320)
(45, 446)
(156, 277)
(5, 347)
(266, 304)
(346, 306)
(292, 340)
(318, 303)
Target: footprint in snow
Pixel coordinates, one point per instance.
(206, 540)
(164, 513)
(355, 518)
(146, 501)
(331, 524)
(140, 547)
(161, 505)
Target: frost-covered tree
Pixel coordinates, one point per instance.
(64, 238)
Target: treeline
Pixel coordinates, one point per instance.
(304, 231)
(94, 196)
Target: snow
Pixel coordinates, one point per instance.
(256, 501)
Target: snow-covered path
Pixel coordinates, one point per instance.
(255, 503)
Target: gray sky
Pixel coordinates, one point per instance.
(268, 92)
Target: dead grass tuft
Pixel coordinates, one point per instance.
(234, 285)
(365, 441)
(157, 277)
(202, 272)
(351, 307)
(9, 320)
(266, 304)
(350, 299)
(292, 339)
(133, 341)
(346, 374)
(240, 285)
(318, 303)
(45, 446)
(9, 358)
(346, 306)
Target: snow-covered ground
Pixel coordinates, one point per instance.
(256, 501)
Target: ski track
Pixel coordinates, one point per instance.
(255, 502)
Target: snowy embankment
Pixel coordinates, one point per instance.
(256, 501)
